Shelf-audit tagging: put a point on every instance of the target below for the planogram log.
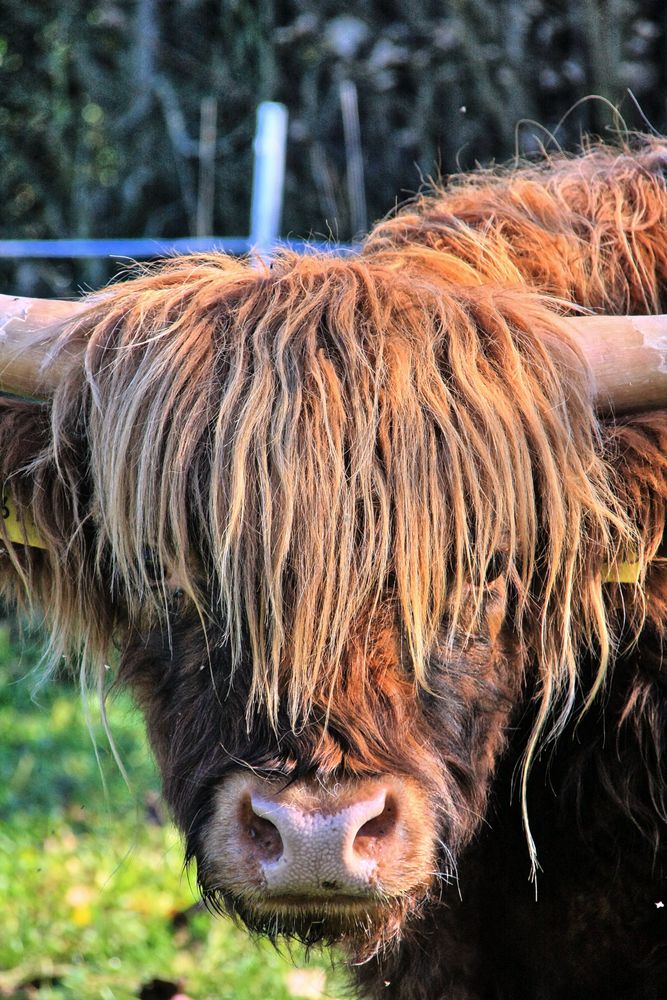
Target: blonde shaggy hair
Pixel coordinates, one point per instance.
(292, 443)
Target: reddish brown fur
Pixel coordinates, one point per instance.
(588, 230)
(386, 498)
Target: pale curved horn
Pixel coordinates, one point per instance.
(28, 328)
(628, 358)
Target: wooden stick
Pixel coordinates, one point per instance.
(206, 190)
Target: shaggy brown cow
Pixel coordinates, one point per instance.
(356, 528)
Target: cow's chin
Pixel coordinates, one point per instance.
(361, 926)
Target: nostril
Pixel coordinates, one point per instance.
(261, 833)
(370, 836)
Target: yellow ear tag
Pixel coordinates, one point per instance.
(629, 571)
(624, 572)
(22, 531)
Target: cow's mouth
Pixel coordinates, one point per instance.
(361, 924)
(327, 903)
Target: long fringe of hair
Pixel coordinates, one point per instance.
(292, 444)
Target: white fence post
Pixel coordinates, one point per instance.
(268, 176)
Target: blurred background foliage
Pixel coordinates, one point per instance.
(94, 901)
(100, 104)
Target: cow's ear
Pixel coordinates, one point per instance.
(49, 552)
(41, 511)
(24, 433)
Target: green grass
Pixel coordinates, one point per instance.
(93, 900)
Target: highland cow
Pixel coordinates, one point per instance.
(360, 534)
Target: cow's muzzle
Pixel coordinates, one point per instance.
(316, 847)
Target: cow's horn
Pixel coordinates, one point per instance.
(627, 354)
(628, 358)
(28, 328)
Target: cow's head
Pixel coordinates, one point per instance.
(340, 821)
(335, 514)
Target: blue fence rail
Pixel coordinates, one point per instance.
(141, 247)
(145, 246)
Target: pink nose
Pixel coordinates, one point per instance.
(319, 847)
